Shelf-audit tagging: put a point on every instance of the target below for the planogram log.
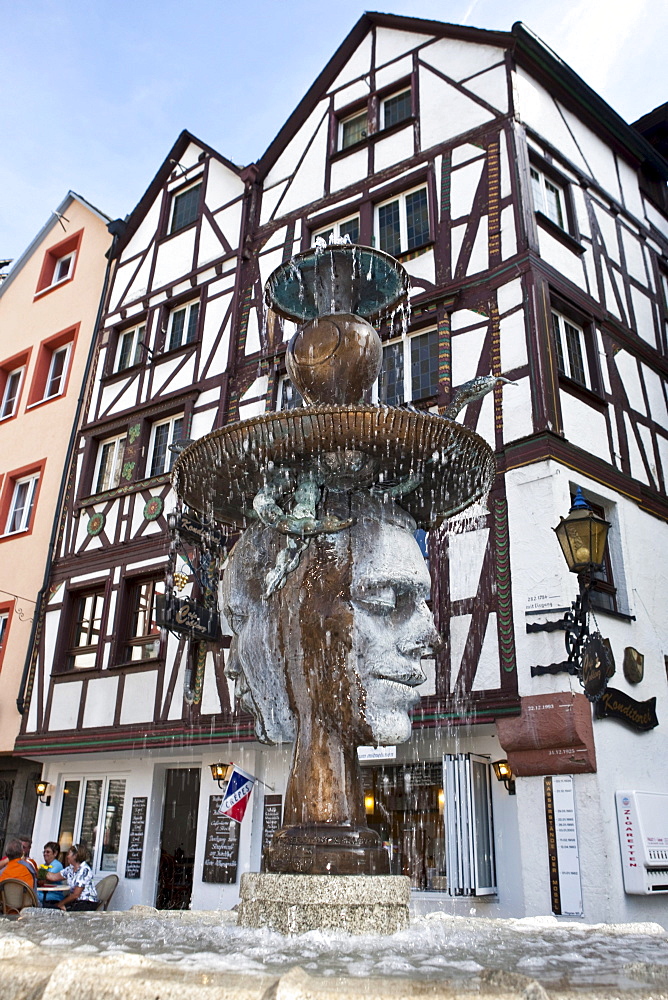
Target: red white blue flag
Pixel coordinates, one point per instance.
(237, 793)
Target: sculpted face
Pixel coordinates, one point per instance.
(378, 605)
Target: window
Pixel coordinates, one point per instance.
(548, 197)
(569, 341)
(402, 224)
(182, 327)
(163, 434)
(185, 207)
(143, 638)
(353, 129)
(22, 503)
(348, 227)
(419, 356)
(10, 395)
(92, 813)
(53, 367)
(6, 611)
(288, 396)
(129, 349)
(396, 108)
(59, 263)
(469, 829)
(109, 463)
(87, 610)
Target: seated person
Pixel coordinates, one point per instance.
(26, 842)
(17, 866)
(51, 866)
(79, 877)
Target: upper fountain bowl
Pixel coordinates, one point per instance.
(339, 278)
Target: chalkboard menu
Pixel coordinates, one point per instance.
(221, 852)
(136, 838)
(271, 820)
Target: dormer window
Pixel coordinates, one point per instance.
(185, 207)
(353, 129)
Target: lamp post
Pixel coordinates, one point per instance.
(582, 537)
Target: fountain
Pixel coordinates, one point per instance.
(326, 590)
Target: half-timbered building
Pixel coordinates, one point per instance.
(532, 222)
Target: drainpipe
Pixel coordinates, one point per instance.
(116, 228)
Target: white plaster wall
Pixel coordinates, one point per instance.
(223, 185)
(100, 702)
(444, 111)
(139, 697)
(397, 70)
(145, 233)
(174, 258)
(566, 261)
(349, 169)
(393, 149)
(584, 426)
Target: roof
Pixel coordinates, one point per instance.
(45, 230)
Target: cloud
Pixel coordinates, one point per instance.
(592, 35)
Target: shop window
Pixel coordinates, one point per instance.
(353, 129)
(11, 383)
(142, 641)
(469, 830)
(288, 396)
(396, 108)
(92, 814)
(339, 230)
(22, 496)
(53, 367)
(182, 325)
(85, 629)
(59, 263)
(185, 207)
(410, 369)
(402, 222)
(129, 349)
(109, 463)
(163, 434)
(570, 344)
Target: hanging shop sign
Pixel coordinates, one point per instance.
(193, 530)
(639, 715)
(595, 666)
(562, 847)
(189, 618)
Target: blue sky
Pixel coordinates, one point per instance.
(96, 93)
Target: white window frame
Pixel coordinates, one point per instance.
(63, 349)
(541, 186)
(4, 625)
(403, 220)
(469, 826)
(70, 258)
(118, 453)
(562, 347)
(96, 853)
(335, 228)
(188, 308)
(362, 112)
(407, 366)
(28, 504)
(389, 97)
(279, 393)
(169, 457)
(137, 335)
(177, 194)
(4, 413)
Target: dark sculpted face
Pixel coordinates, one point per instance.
(341, 642)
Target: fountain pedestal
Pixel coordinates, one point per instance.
(295, 904)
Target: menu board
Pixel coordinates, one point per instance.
(221, 851)
(135, 851)
(271, 820)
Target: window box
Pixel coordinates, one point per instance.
(59, 263)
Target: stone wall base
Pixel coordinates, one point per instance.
(355, 904)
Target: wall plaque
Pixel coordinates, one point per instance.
(553, 735)
(634, 665)
(562, 847)
(639, 715)
(271, 820)
(221, 851)
(135, 852)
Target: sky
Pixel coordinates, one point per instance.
(95, 94)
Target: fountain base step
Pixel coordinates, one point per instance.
(295, 904)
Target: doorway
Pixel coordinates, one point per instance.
(178, 839)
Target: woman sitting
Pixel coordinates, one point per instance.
(79, 877)
(51, 866)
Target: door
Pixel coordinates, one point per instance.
(178, 839)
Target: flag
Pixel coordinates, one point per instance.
(237, 793)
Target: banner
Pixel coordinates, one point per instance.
(237, 793)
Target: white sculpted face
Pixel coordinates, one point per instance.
(393, 626)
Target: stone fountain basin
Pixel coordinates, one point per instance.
(221, 472)
(146, 954)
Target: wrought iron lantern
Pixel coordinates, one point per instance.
(41, 788)
(219, 773)
(503, 773)
(582, 536)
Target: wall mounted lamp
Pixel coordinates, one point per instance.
(41, 788)
(503, 773)
(219, 773)
(369, 804)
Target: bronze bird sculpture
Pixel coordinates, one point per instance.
(474, 389)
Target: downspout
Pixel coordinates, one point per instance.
(116, 228)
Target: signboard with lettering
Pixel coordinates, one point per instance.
(271, 821)
(562, 847)
(188, 617)
(595, 666)
(639, 715)
(135, 850)
(191, 528)
(221, 851)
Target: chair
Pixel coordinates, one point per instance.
(105, 889)
(14, 895)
